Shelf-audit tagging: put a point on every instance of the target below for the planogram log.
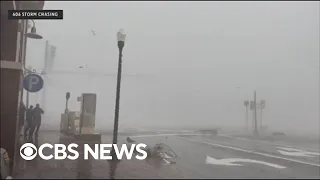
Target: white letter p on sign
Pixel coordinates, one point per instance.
(32, 81)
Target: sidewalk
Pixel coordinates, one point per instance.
(67, 169)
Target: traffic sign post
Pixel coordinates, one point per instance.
(33, 83)
(253, 107)
(26, 81)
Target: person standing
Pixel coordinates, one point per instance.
(29, 119)
(37, 119)
(22, 113)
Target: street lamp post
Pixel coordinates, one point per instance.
(121, 36)
(33, 35)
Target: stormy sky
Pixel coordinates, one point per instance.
(185, 64)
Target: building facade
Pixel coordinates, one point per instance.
(12, 53)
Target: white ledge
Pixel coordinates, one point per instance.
(11, 65)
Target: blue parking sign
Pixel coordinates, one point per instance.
(33, 83)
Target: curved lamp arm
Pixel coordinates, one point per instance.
(33, 22)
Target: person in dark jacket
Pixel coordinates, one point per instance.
(22, 113)
(29, 119)
(37, 119)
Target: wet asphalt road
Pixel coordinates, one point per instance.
(192, 153)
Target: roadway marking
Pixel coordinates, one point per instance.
(265, 142)
(155, 135)
(300, 153)
(232, 162)
(297, 152)
(252, 152)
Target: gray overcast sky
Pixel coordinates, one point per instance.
(193, 56)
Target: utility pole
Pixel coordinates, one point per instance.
(260, 118)
(255, 114)
(246, 104)
(252, 109)
(262, 106)
(247, 119)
